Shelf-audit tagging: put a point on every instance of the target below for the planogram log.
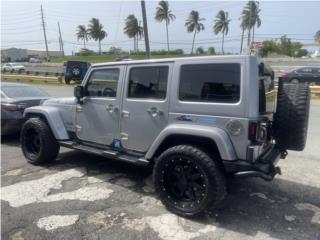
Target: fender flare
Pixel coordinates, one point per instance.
(52, 115)
(219, 136)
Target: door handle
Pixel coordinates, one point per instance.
(154, 112)
(110, 108)
(125, 114)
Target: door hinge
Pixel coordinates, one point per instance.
(124, 136)
(78, 128)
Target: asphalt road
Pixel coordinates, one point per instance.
(81, 196)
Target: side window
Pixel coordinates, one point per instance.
(148, 82)
(305, 70)
(103, 83)
(210, 83)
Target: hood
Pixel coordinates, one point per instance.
(60, 101)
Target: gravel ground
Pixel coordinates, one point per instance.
(81, 196)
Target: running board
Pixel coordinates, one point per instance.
(105, 153)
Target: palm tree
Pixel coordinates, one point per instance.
(244, 25)
(193, 24)
(250, 15)
(83, 34)
(96, 31)
(134, 30)
(164, 14)
(221, 24)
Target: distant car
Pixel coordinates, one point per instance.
(75, 70)
(125, 58)
(305, 74)
(13, 67)
(35, 60)
(16, 97)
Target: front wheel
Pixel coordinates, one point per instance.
(38, 142)
(188, 180)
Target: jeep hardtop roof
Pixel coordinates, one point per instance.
(163, 60)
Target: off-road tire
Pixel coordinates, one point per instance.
(48, 145)
(213, 176)
(292, 116)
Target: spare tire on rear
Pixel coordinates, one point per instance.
(292, 115)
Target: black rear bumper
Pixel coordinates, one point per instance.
(264, 167)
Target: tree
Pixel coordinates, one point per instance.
(164, 14)
(134, 30)
(199, 51)
(96, 31)
(211, 51)
(221, 24)
(250, 18)
(317, 37)
(83, 34)
(193, 24)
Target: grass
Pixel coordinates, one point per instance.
(107, 58)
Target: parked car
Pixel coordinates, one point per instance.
(75, 70)
(35, 60)
(13, 67)
(195, 120)
(15, 98)
(301, 75)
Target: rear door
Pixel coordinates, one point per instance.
(145, 105)
(316, 75)
(305, 74)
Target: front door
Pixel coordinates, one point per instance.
(145, 105)
(98, 117)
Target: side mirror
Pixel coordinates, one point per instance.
(79, 93)
(261, 69)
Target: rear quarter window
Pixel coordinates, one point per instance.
(216, 83)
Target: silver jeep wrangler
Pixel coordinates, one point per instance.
(196, 120)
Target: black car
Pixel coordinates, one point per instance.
(75, 70)
(15, 98)
(305, 74)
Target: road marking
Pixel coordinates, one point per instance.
(35, 191)
(56, 221)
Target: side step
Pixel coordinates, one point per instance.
(105, 153)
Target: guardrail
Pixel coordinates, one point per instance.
(34, 73)
(27, 78)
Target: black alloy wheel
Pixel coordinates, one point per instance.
(184, 181)
(32, 142)
(188, 180)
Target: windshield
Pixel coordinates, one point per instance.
(23, 92)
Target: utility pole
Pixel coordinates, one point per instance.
(44, 33)
(145, 28)
(60, 40)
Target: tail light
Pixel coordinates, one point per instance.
(253, 131)
(284, 74)
(13, 107)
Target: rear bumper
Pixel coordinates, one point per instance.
(264, 167)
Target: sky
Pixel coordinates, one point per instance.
(21, 25)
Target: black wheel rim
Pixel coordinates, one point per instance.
(32, 142)
(184, 182)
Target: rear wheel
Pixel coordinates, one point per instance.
(188, 180)
(292, 115)
(38, 142)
